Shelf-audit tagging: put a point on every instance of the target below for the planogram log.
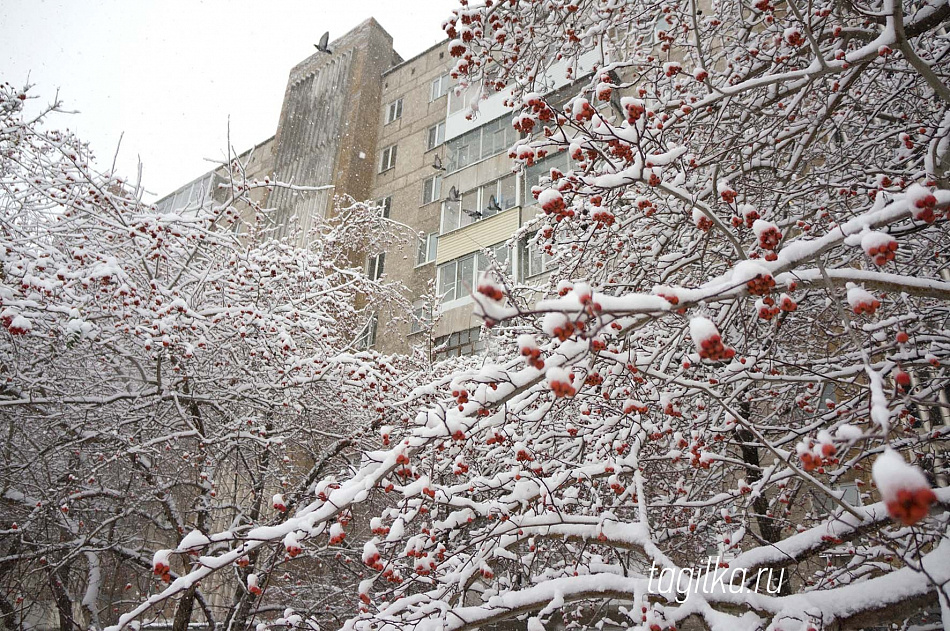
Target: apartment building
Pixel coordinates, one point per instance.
(395, 131)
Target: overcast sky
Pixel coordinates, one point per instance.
(170, 74)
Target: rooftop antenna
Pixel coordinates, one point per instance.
(322, 46)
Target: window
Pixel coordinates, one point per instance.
(387, 159)
(432, 189)
(533, 260)
(458, 214)
(421, 317)
(457, 278)
(374, 266)
(386, 204)
(480, 203)
(480, 143)
(427, 248)
(460, 343)
(367, 337)
(848, 491)
(450, 216)
(459, 100)
(483, 262)
(435, 136)
(534, 173)
(497, 196)
(439, 87)
(394, 111)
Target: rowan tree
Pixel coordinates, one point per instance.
(165, 377)
(747, 312)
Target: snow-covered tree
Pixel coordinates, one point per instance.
(164, 377)
(741, 364)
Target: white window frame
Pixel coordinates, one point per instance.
(470, 339)
(435, 135)
(394, 111)
(367, 337)
(438, 87)
(463, 284)
(387, 159)
(376, 266)
(463, 219)
(531, 248)
(426, 248)
(432, 189)
(461, 99)
(479, 144)
(421, 317)
(386, 203)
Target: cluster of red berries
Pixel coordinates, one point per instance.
(491, 291)
(603, 218)
(594, 379)
(294, 549)
(766, 308)
(564, 331)
(163, 571)
(925, 205)
(495, 438)
(761, 285)
(253, 586)
(337, 537)
(622, 150)
(703, 222)
(769, 238)
(882, 253)
(712, 348)
(523, 124)
(540, 108)
(582, 110)
(902, 379)
(532, 356)
(552, 203)
(910, 506)
(816, 457)
(634, 406)
(634, 111)
(865, 306)
(17, 326)
(562, 386)
(794, 37)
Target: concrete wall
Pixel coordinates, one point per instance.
(326, 133)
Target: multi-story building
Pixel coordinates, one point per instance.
(380, 128)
